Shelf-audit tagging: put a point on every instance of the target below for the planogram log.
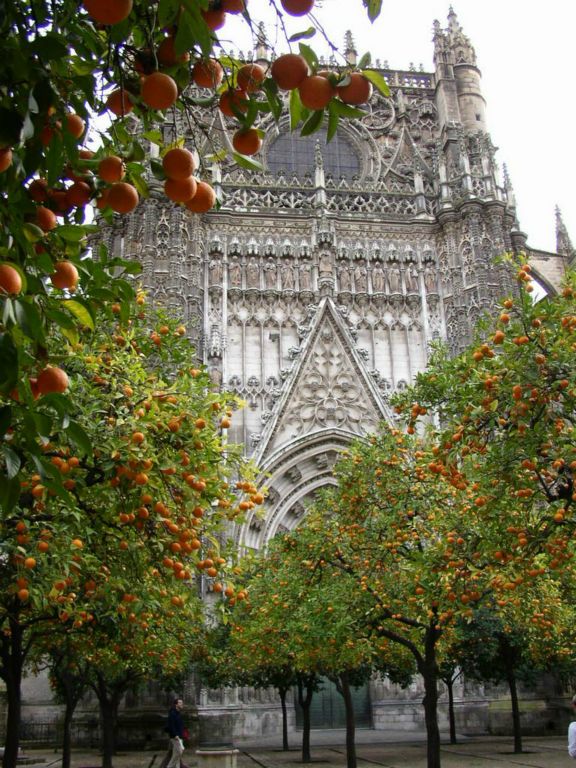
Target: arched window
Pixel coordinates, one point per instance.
(294, 154)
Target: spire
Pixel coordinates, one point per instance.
(461, 46)
(262, 48)
(350, 52)
(508, 188)
(564, 245)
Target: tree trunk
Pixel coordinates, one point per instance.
(451, 716)
(305, 700)
(12, 665)
(283, 691)
(109, 703)
(344, 688)
(67, 733)
(515, 712)
(428, 670)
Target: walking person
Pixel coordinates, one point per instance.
(572, 732)
(175, 730)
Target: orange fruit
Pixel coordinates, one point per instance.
(203, 200)
(159, 91)
(102, 201)
(297, 7)
(38, 190)
(77, 543)
(30, 562)
(167, 56)
(45, 218)
(75, 125)
(111, 169)
(247, 141)
(214, 18)
(233, 100)
(180, 190)
(250, 77)
(122, 197)
(138, 438)
(10, 280)
(108, 11)
(65, 275)
(289, 70)
(119, 102)
(5, 159)
(358, 90)
(233, 6)
(79, 194)
(207, 73)
(178, 163)
(316, 91)
(52, 379)
(23, 594)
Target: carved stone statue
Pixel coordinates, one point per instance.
(287, 276)
(215, 272)
(270, 273)
(344, 278)
(411, 279)
(253, 273)
(235, 273)
(430, 280)
(377, 278)
(305, 277)
(394, 280)
(325, 264)
(360, 282)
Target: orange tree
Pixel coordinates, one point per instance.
(412, 543)
(303, 617)
(66, 63)
(507, 410)
(128, 504)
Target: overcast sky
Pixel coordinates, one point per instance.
(525, 51)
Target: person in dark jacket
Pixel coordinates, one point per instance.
(175, 729)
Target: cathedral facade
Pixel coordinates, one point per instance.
(315, 290)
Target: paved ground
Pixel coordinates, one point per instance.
(374, 751)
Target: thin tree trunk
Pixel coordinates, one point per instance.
(515, 712)
(344, 686)
(109, 718)
(305, 700)
(12, 665)
(67, 733)
(283, 691)
(428, 670)
(451, 716)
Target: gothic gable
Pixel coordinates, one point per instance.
(329, 388)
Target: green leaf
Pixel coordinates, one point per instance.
(73, 234)
(5, 418)
(374, 8)
(79, 437)
(345, 110)
(295, 109)
(155, 137)
(80, 312)
(8, 363)
(247, 162)
(305, 35)
(313, 124)
(333, 120)
(29, 320)
(12, 461)
(50, 46)
(9, 493)
(157, 169)
(310, 56)
(365, 61)
(377, 81)
(11, 124)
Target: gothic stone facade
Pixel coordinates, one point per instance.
(315, 290)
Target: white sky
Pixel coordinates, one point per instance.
(525, 53)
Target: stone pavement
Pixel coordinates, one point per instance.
(329, 752)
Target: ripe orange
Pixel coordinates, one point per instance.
(122, 197)
(23, 594)
(138, 438)
(297, 7)
(30, 562)
(289, 70)
(167, 56)
(10, 280)
(65, 275)
(207, 73)
(38, 190)
(233, 6)
(119, 102)
(203, 200)
(180, 190)
(75, 125)
(232, 101)
(178, 163)
(358, 90)
(79, 194)
(5, 159)
(111, 169)
(77, 543)
(159, 91)
(247, 141)
(250, 77)
(45, 218)
(52, 379)
(316, 91)
(108, 11)
(214, 18)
